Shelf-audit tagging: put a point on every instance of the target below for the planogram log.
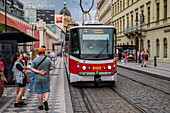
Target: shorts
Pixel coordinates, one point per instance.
(21, 85)
(53, 59)
(143, 60)
(17, 85)
(2, 84)
(42, 87)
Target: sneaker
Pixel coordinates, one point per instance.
(17, 105)
(29, 90)
(22, 103)
(4, 95)
(46, 105)
(141, 65)
(144, 65)
(40, 107)
(24, 97)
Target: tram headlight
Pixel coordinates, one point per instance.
(109, 67)
(84, 68)
(89, 68)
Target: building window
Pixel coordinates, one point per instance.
(113, 11)
(127, 43)
(165, 9)
(123, 4)
(149, 46)
(120, 26)
(120, 5)
(157, 47)
(142, 46)
(136, 19)
(165, 47)
(128, 3)
(131, 20)
(123, 24)
(132, 1)
(127, 22)
(148, 15)
(157, 9)
(131, 42)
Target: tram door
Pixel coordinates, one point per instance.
(7, 50)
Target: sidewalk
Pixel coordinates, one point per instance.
(162, 70)
(59, 101)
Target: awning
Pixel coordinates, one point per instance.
(9, 21)
(19, 36)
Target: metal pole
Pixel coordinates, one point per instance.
(32, 35)
(5, 18)
(141, 33)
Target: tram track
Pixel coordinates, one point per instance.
(142, 80)
(86, 101)
(128, 100)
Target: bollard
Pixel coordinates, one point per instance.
(155, 64)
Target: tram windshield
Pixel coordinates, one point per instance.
(96, 43)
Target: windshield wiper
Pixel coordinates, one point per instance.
(103, 49)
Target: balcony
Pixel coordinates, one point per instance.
(135, 30)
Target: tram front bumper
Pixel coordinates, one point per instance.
(95, 73)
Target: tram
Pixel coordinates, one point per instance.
(90, 54)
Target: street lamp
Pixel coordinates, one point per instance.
(11, 8)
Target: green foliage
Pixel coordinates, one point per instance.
(1, 27)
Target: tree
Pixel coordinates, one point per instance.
(1, 27)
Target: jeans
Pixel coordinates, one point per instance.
(31, 85)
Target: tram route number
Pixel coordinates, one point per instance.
(97, 68)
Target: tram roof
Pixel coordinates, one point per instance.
(92, 26)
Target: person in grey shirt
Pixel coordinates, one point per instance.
(42, 77)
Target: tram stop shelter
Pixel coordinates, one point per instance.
(8, 47)
(131, 48)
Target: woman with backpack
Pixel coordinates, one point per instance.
(19, 69)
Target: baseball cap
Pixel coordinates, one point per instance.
(41, 49)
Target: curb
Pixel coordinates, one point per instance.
(147, 73)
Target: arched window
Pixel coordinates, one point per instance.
(157, 47)
(149, 46)
(165, 47)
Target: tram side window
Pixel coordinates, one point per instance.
(74, 42)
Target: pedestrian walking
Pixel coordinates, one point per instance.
(142, 58)
(53, 56)
(2, 76)
(48, 55)
(41, 66)
(20, 77)
(146, 58)
(34, 55)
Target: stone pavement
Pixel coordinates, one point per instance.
(59, 101)
(162, 70)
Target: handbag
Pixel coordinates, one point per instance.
(28, 80)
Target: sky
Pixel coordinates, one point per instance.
(72, 6)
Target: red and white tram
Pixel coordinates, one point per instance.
(90, 54)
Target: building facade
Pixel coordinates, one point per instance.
(145, 23)
(18, 9)
(64, 18)
(46, 36)
(104, 8)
